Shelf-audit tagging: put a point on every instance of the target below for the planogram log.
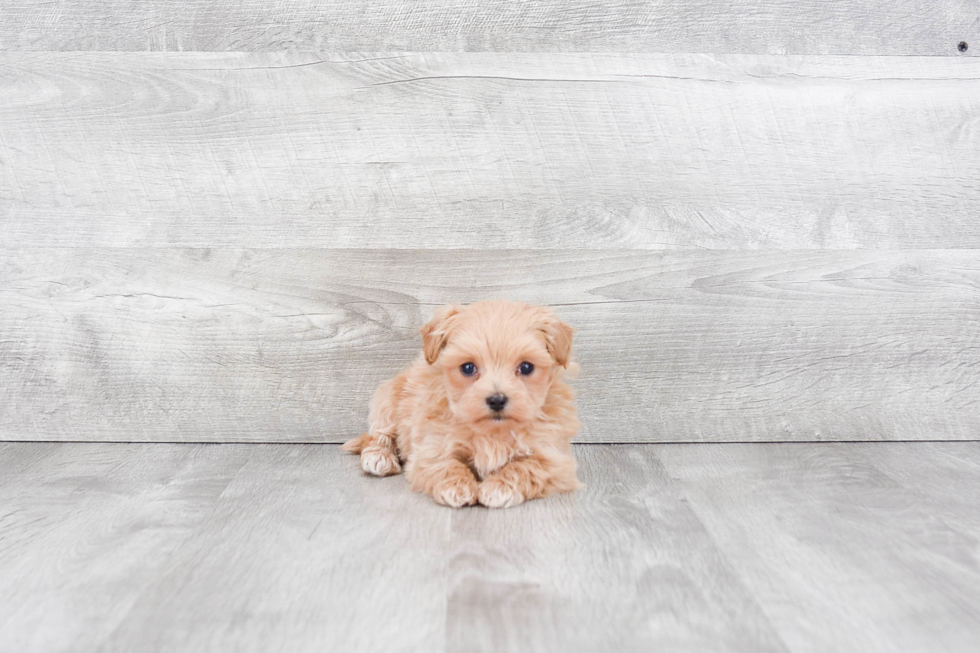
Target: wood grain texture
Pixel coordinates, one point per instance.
(220, 547)
(742, 26)
(288, 345)
(300, 547)
(945, 481)
(489, 151)
(90, 517)
(821, 530)
(735, 548)
(623, 565)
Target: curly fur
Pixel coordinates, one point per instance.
(433, 421)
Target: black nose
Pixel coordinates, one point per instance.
(497, 402)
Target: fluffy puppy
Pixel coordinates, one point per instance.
(483, 415)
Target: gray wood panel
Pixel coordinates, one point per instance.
(736, 548)
(622, 565)
(488, 151)
(821, 530)
(302, 553)
(946, 480)
(287, 345)
(220, 547)
(90, 529)
(773, 27)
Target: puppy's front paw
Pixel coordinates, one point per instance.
(456, 492)
(380, 462)
(496, 492)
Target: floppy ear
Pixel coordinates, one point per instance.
(558, 338)
(435, 333)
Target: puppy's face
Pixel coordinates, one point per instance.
(498, 359)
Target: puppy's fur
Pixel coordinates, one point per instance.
(436, 421)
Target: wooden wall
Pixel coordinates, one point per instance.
(225, 222)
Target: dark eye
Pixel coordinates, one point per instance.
(526, 368)
(468, 369)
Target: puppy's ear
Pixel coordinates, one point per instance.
(435, 333)
(558, 338)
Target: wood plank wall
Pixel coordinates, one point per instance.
(226, 222)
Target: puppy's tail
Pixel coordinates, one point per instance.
(356, 445)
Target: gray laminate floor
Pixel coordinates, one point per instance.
(732, 547)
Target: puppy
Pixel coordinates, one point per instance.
(483, 415)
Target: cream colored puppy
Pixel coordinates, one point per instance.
(483, 415)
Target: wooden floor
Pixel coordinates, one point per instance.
(703, 547)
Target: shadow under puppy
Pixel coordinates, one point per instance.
(483, 415)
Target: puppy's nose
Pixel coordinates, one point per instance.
(497, 402)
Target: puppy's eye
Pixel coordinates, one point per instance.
(468, 369)
(526, 368)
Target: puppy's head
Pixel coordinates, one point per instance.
(498, 358)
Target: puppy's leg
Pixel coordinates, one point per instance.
(445, 479)
(531, 477)
(378, 449)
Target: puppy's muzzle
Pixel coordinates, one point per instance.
(496, 403)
